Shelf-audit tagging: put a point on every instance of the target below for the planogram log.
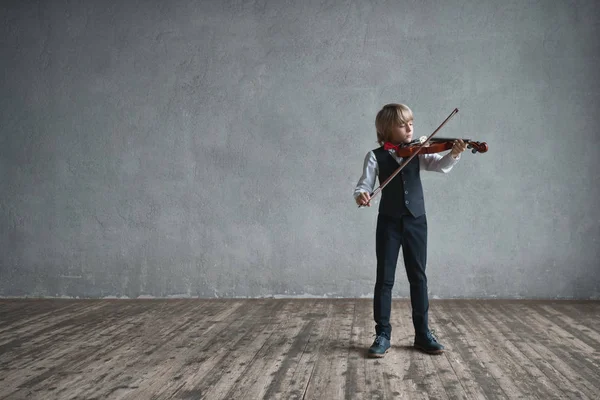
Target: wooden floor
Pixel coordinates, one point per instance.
(294, 349)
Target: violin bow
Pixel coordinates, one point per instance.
(405, 162)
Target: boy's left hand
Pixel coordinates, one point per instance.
(458, 147)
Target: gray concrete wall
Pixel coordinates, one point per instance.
(210, 148)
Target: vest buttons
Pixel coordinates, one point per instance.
(406, 202)
(406, 192)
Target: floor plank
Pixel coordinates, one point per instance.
(327, 379)
(294, 349)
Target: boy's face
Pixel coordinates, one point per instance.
(402, 133)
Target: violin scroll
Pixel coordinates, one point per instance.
(477, 147)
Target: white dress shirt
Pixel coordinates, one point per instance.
(428, 162)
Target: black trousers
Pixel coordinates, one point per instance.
(410, 234)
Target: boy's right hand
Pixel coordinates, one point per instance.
(363, 199)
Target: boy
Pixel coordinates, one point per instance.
(401, 223)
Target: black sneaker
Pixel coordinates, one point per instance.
(428, 343)
(379, 347)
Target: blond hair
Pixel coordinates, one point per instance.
(389, 116)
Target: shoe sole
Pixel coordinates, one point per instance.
(373, 355)
(436, 352)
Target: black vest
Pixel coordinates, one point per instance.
(403, 195)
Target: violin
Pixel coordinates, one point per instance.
(428, 145)
(437, 145)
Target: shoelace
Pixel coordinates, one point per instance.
(431, 336)
(379, 340)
